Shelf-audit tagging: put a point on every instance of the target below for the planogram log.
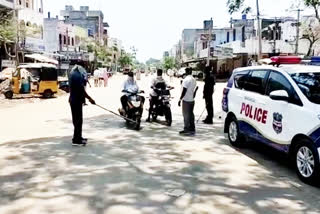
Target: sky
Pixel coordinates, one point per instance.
(154, 26)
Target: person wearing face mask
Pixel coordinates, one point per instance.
(209, 83)
(130, 85)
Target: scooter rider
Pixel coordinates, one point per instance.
(130, 85)
(156, 82)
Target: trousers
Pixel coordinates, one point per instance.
(77, 120)
(209, 107)
(188, 115)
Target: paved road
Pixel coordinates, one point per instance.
(124, 171)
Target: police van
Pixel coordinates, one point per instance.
(280, 107)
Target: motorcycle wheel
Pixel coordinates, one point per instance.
(168, 116)
(137, 125)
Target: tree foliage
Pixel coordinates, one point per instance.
(314, 4)
(237, 5)
(126, 59)
(168, 63)
(311, 32)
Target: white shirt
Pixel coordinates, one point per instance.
(96, 73)
(130, 86)
(190, 84)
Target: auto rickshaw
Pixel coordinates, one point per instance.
(34, 78)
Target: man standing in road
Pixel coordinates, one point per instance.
(77, 98)
(188, 94)
(209, 82)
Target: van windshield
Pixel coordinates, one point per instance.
(309, 83)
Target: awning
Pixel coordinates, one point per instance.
(42, 58)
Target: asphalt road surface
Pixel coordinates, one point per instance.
(125, 171)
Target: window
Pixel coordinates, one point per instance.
(228, 37)
(64, 40)
(256, 81)
(278, 82)
(234, 34)
(27, 4)
(204, 45)
(60, 39)
(72, 41)
(240, 78)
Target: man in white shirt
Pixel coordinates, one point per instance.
(96, 77)
(188, 94)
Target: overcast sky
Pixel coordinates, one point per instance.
(154, 26)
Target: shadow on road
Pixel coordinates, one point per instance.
(131, 171)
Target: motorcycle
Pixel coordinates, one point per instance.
(162, 107)
(134, 109)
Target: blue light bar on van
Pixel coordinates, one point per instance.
(315, 60)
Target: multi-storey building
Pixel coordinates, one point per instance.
(87, 19)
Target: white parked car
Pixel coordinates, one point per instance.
(278, 106)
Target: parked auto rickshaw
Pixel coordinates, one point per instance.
(34, 78)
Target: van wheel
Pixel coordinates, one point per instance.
(8, 95)
(235, 137)
(47, 93)
(307, 162)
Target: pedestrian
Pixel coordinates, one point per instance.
(77, 97)
(138, 74)
(101, 79)
(170, 74)
(208, 90)
(105, 77)
(188, 94)
(96, 77)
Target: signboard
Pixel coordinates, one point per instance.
(205, 37)
(223, 52)
(8, 64)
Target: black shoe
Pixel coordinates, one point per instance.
(82, 143)
(208, 122)
(183, 132)
(84, 139)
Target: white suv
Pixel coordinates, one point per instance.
(279, 107)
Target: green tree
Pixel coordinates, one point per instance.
(126, 59)
(237, 5)
(314, 4)
(311, 32)
(168, 63)
(8, 29)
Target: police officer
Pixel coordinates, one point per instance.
(77, 98)
(209, 82)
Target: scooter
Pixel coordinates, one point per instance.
(163, 107)
(134, 109)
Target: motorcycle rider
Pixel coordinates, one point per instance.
(130, 85)
(156, 82)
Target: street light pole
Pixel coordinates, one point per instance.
(259, 32)
(209, 41)
(298, 31)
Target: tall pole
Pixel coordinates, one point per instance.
(209, 41)
(259, 32)
(298, 31)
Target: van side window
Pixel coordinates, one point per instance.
(240, 78)
(278, 82)
(256, 81)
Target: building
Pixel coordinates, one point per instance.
(189, 36)
(30, 16)
(87, 19)
(64, 38)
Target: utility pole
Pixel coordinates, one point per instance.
(209, 41)
(259, 32)
(275, 29)
(298, 30)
